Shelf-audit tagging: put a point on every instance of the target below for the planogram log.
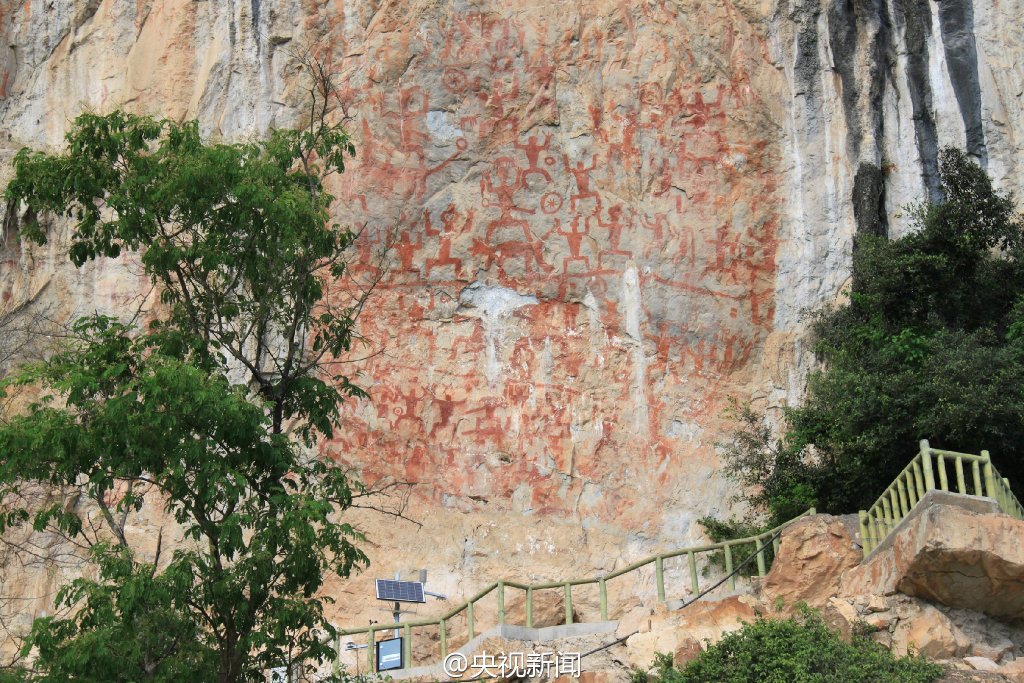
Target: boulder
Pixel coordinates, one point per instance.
(946, 552)
(686, 650)
(925, 630)
(982, 664)
(813, 555)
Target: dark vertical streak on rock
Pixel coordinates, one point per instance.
(956, 23)
(869, 201)
(807, 65)
(842, 32)
(254, 8)
(860, 34)
(916, 21)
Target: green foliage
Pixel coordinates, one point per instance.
(801, 649)
(237, 236)
(129, 628)
(929, 346)
(925, 347)
(774, 472)
(718, 531)
(135, 423)
(209, 413)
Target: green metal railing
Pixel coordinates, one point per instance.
(930, 470)
(501, 589)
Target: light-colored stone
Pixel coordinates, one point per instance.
(877, 603)
(703, 621)
(929, 632)
(642, 647)
(636, 621)
(982, 664)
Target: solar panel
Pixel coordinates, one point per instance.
(400, 591)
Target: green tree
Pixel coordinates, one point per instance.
(930, 345)
(212, 411)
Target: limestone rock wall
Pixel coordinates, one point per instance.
(607, 216)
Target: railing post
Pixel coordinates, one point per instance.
(760, 556)
(926, 463)
(444, 639)
(865, 534)
(692, 561)
(976, 474)
(371, 655)
(603, 589)
(407, 646)
(728, 567)
(501, 602)
(877, 529)
(943, 478)
(990, 482)
(529, 607)
(913, 486)
(568, 603)
(961, 484)
(902, 489)
(919, 480)
(469, 619)
(659, 575)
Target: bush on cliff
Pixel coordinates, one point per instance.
(801, 649)
(930, 345)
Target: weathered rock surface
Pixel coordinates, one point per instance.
(606, 220)
(703, 622)
(813, 554)
(951, 556)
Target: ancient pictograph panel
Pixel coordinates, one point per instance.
(609, 193)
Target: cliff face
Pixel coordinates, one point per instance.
(607, 218)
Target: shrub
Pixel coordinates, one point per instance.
(718, 530)
(800, 649)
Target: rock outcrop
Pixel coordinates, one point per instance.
(813, 555)
(948, 554)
